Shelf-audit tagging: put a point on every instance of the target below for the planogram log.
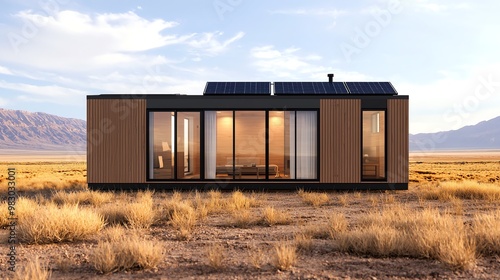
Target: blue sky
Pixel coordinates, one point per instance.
(443, 54)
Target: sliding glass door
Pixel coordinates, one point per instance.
(174, 145)
(235, 145)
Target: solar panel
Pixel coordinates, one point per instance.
(237, 88)
(311, 88)
(371, 88)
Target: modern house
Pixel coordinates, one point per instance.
(251, 135)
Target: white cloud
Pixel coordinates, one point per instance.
(209, 44)
(312, 12)
(53, 93)
(432, 6)
(5, 70)
(71, 41)
(290, 64)
(451, 103)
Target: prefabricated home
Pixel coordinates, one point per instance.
(251, 135)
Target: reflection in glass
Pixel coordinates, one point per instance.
(161, 146)
(188, 145)
(373, 156)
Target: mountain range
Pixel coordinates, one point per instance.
(21, 130)
(484, 135)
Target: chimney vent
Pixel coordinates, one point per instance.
(330, 78)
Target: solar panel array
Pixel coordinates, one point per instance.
(371, 88)
(224, 88)
(299, 88)
(292, 88)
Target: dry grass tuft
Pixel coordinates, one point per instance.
(256, 256)
(399, 231)
(216, 255)
(243, 219)
(344, 200)
(272, 217)
(486, 232)
(285, 255)
(303, 241)
(183, 218)
(313, 198)
(81, 197)
(239, 201)
(463, 189)
(337, 223)
(22, 206)
(50, 223)
(33, 270)
(130, 252)
(137, 214)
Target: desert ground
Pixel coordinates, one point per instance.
(446, 226)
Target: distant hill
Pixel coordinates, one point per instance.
(21, 130)
(484, 135)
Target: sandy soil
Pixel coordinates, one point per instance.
(186, 259)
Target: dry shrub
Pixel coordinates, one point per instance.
(457, 206)
(140, 214)
(373, 200)
(272, 217)
(337, 223)
(243, 219)
(313, 198)
(137, 214)
(316, 230)
(464, 190)
(33, 270)
(285, 255)
(114, 213)
(113, 233)
(81, 197)
(389, 199)
(256, 256)
(399, 231)
(486, 232)
(303, 241)
(21, 208)
(344, 200)
(129, 252)
(183, 219)
(216, 255)
(50, 223)
(239, 200)
(215, 203)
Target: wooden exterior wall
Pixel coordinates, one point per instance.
(340, 141)
(116, 140)
(397, 140)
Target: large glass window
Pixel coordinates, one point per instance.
(250, 145)
(306, 145)
(280, 148)
(235, 145)
(373, 145)
(188, 145)
(218, 144)
(161, 145)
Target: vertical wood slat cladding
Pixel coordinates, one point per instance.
(116, 140)
(340, 141)
(397, 140)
